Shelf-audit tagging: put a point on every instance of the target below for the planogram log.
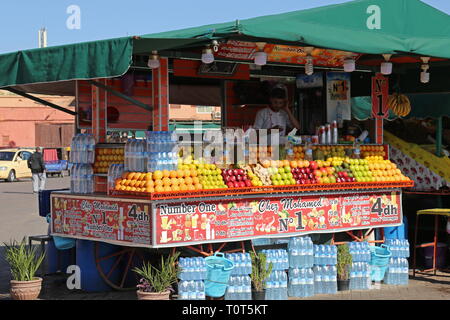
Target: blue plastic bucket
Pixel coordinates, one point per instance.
(218, 274)
(61, 243)
(379, 261)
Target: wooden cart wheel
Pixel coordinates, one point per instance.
(123, 262)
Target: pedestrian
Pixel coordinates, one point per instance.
(37, 166)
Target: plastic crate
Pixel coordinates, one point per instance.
(44, 201)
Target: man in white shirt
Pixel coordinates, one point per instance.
(277, 115)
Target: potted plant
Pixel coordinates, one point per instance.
(23, 264)
(156, 283)
(344, 263)
(260, 272)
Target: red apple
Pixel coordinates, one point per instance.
(238, 178)
(313, 165)
(240, 172)
(230, 184)
(241, 184)
(248, 183)
(233, 178)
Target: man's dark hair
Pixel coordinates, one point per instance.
(277, 93)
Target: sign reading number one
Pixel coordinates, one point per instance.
(380, 111)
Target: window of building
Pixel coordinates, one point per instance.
(205, 109)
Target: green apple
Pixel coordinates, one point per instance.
(276, 182)
(290, 175)
(287, 169)
(283, 176)
(278, 176)
(292, 181)
(280, 170)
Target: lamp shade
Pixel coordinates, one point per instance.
(386, 68)
(349, 65)
(309, 66)
(207, 56)
(153, 63)
(260, 58)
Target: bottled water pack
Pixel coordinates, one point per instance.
(278, 257)
(242, 263)
(398, 247)
(191, 290)
(325, 279)
(135, 155)
(162, 153)
(360, 276)
(277, 285)
(82, 179)
(301, 252)
(115, 171)
(397, 272)
(239, 288)
(325, 255)
(192, 268)
(301, 282)
(82, 149)
(360, 251)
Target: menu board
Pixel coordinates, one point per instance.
(116, 221)
(184, 223)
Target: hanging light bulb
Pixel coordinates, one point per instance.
(153, 61)
(207, 56)
(425, 75)
(260, 55)
(309, 65)
(349, 65)
(386, 66)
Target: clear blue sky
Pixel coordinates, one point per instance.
(20, 20)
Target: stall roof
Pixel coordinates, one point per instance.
(405, 26)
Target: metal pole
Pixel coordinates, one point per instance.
(415, 246)
(436, 223)
(439, 136)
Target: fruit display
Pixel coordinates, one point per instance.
(254, 178)
(399, 104)
(104, 157)
(210, 176)
(368, 151)
(263, 174)
(236, 178)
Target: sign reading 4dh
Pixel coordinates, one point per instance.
(380, 95)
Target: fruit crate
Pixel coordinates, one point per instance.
(233, 192)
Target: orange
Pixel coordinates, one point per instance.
(187, 173)
(118, 187)
(157, 175)
(133, 189)
(123, 188)
(128, 189)
(124, 175)
(148, 176)
(266, 163)
(183, 187)
(180, 180)
(130, 176)
(173, 174)
(195, 180)
(198, 186)
(159, 189)
(175, 188)
(143, 183)
(158, 182)
(191, 187)
(174, 181)
(167, 189)
(188, 180)
(166, 173)
(194, 173)
(149, 184)
(285, 163)
(294, 164)
(180, 173)
(166, 181)
(132, 183)
(137, 176)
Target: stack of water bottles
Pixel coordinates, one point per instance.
(397, 271)
(301, 261)
(82, 155)
(162, 153)
(135, 155)
(192, 275)
(115, 171)
(360, 278)
(325, 272)
(240, 285)
(277, 282)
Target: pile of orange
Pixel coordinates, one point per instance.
(104, 157)
(159, 181)
(285, 163)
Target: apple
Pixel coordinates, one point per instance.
(289, 175)
(302, 170)
(311, 176)
(241, 172)
(318, 173)
(287, 169)
(292, 181)
(230, 184)
(238, 178)
(300, 181)
(313, 165)
(233, 178)
(248, 183)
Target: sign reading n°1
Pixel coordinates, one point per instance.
(380, 95)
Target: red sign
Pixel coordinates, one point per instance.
(380, 95)
(117, 221)
(185, 223)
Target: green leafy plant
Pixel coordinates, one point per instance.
(22, 260)
(344, 262)
(158, 279)
(260, 270)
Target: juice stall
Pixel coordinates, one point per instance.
(158, 191)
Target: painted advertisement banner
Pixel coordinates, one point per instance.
(116, 221)
(185, 223)
(338, 96)
(380, 95)
(241, 50)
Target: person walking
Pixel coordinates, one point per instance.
(37, 166)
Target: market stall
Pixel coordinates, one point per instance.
(153, 192)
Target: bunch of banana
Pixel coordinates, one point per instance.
(263, 174)
(399, 104)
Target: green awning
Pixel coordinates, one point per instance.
(406, 26)
(423, 105)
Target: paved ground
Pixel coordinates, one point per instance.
(19, 217)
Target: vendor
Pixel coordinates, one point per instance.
(277, 115)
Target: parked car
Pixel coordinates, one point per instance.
(13, 164)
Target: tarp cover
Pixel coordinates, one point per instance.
(362, 26)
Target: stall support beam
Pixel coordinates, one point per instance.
(378, 131)
(39, 100)
(160, 89)
(439, 137)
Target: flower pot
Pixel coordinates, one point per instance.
(343, 285)
(259, 295)
(142, 295)
(25, 290)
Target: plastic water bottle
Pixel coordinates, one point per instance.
(284, 285)
(229, 294)
(269, 287)
(333, 279)
(317, 280)
(333, 255)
